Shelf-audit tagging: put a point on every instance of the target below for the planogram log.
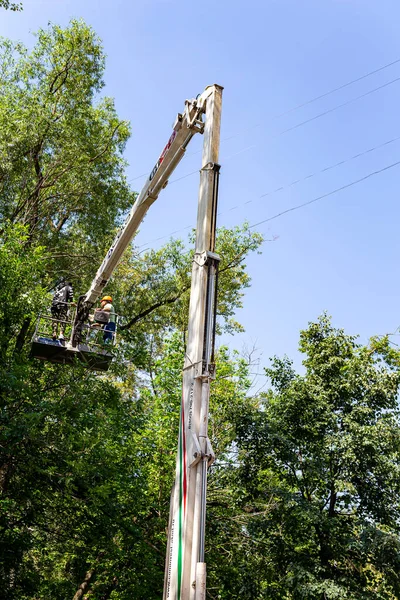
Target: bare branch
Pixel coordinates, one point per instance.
(151, 309)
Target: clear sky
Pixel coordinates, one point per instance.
(340, 254)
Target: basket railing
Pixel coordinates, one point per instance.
(94, 335)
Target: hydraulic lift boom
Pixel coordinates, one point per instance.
(185, 127)
(185, 573)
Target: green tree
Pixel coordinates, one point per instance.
(319, 469)
(87, 460)
(61, 167)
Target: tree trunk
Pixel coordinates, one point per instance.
(34, 199)
(84, 585)
(22, 336)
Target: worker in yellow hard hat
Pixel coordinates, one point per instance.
(109, 328)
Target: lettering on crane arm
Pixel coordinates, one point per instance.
(191, 394)
(162, 156)
(170, 557)
(154, 171)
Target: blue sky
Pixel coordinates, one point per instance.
(340, 254)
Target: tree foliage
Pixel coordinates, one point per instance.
(61, 165)
(322, 455)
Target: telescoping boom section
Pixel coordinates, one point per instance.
(185, 573)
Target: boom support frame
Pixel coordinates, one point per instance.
(185, 575)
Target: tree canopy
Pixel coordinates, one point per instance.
(319, 460)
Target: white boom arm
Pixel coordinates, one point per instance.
(185, 127)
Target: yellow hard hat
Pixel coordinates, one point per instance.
(106, 299)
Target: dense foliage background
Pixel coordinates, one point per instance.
(304, 495)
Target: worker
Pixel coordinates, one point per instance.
(59, 307)
(109, 328)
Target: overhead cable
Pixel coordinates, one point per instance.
(297, 107)
(324, 170)
(337, 190)
(281, 188)
(330, 110)
(314, 118)
(337, 89)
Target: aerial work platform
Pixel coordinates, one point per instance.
(94, 352)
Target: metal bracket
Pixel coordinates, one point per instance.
(198, 455)
(212, 256)
(211, 167)
(178, 122)
(200, 258)
(194, 121)
(210, 453)
(205, 257)
(208, 369)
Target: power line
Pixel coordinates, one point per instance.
(340, 189)
(337, 89)
(281, 188)
(324, 170)
(312, 100)
(330, 110)
(297, 107)
(163, 237)
(314, 118)
(139, 176)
